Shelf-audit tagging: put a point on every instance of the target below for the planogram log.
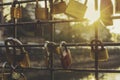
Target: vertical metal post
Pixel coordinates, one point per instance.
(1, 12)
(51, 18)
(96, 51)
(51, 46)
(14, 21)
(15, 28)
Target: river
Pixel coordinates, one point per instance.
(103, 76)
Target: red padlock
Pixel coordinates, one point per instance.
(66, 59)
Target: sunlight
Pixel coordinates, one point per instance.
(91, 14)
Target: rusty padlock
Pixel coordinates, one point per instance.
(16, 55)
(16, 10)
(100, 52)
(66, 59)
(59, 7)
(76, 9)
(40, 13)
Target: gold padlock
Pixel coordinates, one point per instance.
(66, 59)
(59, 7)
(76, 9)
(40, 13)
(16, 10)
(101, 53)
(15, 57)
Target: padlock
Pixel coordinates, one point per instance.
(16, 56)
(106, 12)
(57, 50)
(76, 9)
(40, 13)
(101, 52)
(47, 54)
(59, 7)
(3, 75)
(16, 11)
(66, 59)
(14, 75)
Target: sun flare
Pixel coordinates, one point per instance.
(91, 14)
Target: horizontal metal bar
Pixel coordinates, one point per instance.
(66, 70)
(39, 22)
(10, 3)
(115, 17)
(89, 70)
(67, 44)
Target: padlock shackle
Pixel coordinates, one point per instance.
(12, 59)
(97, 43)
(63, 44)
(36, 3)
(85, 2)
(15, 2)
(14, 41)
(46, 48)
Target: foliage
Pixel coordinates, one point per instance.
(83, 33)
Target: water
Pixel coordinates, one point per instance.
(103, 76)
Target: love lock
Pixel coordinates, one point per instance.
(16, 55)
(2, 74)
(101, 52)
(66, 59)
(17, 76)
(16, 11)
(47, 54)
(59, 7)
(40, 13)
(76, 9)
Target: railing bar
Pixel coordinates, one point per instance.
(68, 45)
(68, 70)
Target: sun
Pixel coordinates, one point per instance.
(91, 14)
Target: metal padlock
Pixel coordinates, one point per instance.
(16, 56)
(40, 13)
(16, 10)
(101, 52)
(59, 7)
(47, 54)
(76, 9)
(17, 76)
(66, 59)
